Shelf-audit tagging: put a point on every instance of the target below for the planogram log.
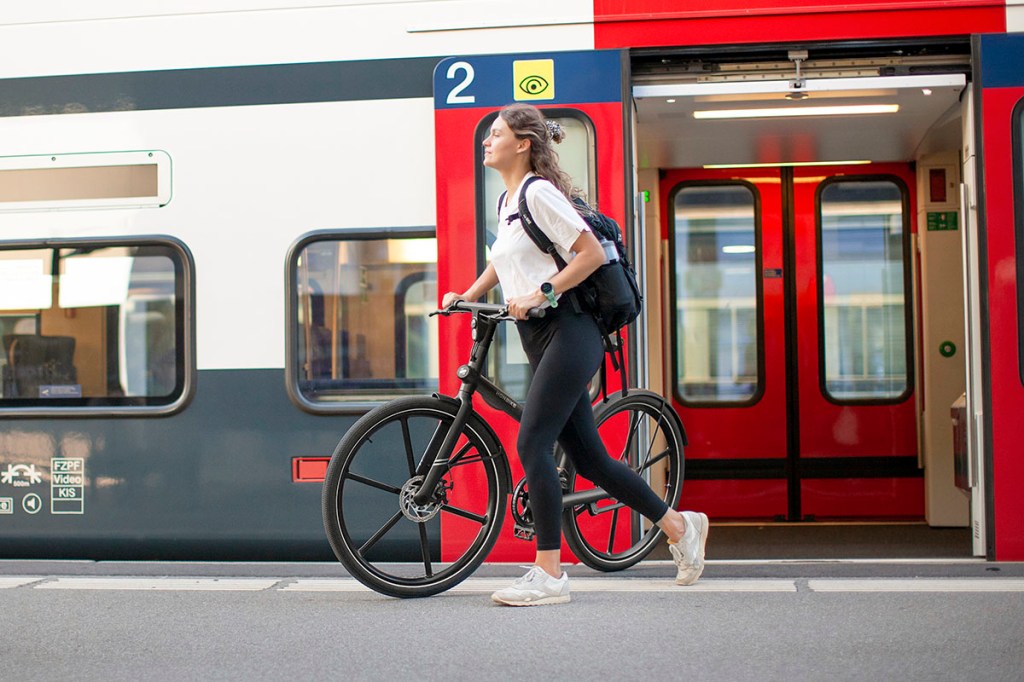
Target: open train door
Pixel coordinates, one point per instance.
(994, 241)
(585, 92)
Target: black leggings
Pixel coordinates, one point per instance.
(565, 351)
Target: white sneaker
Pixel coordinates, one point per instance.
(688, 553)
(535, 588)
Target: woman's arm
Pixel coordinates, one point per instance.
(487, 280)
(589, 257)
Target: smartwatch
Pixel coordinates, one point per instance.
(549, 293)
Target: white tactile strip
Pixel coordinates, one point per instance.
(487, 585)
(577, 585)
(917, 585)
(160, 584)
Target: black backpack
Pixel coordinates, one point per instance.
(610, 293)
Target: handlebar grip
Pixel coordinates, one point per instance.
(461, 306)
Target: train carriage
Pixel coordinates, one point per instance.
(214, 259)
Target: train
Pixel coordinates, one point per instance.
(224, 227)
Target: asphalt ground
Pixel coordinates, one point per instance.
(793, 602)
(744, 620)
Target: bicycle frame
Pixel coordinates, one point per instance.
(486, 318)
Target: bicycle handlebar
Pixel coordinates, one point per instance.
(495, 310)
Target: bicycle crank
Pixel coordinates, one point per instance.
(521, 513)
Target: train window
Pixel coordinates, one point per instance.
(714, 238)
(95, 326)
(116, 179)
(359, 305)
(577, 154)
(864, 245)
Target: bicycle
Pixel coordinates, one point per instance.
(414, 463)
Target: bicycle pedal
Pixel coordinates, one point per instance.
(523, 532)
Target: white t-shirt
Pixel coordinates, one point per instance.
(520, 265)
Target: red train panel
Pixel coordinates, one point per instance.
(649, 23)
(1002, 79)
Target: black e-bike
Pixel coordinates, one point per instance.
(415, 465)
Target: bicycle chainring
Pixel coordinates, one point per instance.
(521, 513)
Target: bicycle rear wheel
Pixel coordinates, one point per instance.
(383, 538)
(644, 432)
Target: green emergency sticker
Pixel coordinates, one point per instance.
(942, 220)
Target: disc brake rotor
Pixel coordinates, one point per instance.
(411, 510)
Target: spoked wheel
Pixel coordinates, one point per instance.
(387, 541)
(644, 432)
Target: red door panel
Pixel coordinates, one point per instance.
(756, 428)
(831, 425)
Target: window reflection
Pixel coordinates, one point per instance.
(863, 253)
(716, 293)
(92, 325)
(362, 313)
(508, 366)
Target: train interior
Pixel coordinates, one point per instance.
(806, 291)
(88, 323)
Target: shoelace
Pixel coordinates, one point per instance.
(531, 576)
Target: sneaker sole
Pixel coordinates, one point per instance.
(540, 602)
(704, 529)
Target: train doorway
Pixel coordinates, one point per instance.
(789, 265)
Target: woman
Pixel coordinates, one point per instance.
(565, 350)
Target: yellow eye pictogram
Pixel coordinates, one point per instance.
(533, 85)
(533, 79)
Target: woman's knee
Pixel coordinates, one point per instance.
(597, 469)
(533, 450)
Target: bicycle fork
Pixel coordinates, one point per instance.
(436, 460)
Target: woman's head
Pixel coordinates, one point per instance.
(527, 123)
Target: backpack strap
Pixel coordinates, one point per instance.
(613, 346)
(531, 227)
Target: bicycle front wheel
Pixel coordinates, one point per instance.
(642, 431)
(387, 541)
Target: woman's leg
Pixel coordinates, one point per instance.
(564, 354)
(583, 443)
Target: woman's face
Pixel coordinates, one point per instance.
(502, 148)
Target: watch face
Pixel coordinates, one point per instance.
(546, 288)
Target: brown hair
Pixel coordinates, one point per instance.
(527, 123)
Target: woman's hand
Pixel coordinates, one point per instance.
(487, 280)
(519, 306)
(451, 297)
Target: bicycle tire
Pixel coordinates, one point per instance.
(375, 461)
(641, 430)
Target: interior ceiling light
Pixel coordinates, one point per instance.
(788, 164)
(775, 96)
(776, 112)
